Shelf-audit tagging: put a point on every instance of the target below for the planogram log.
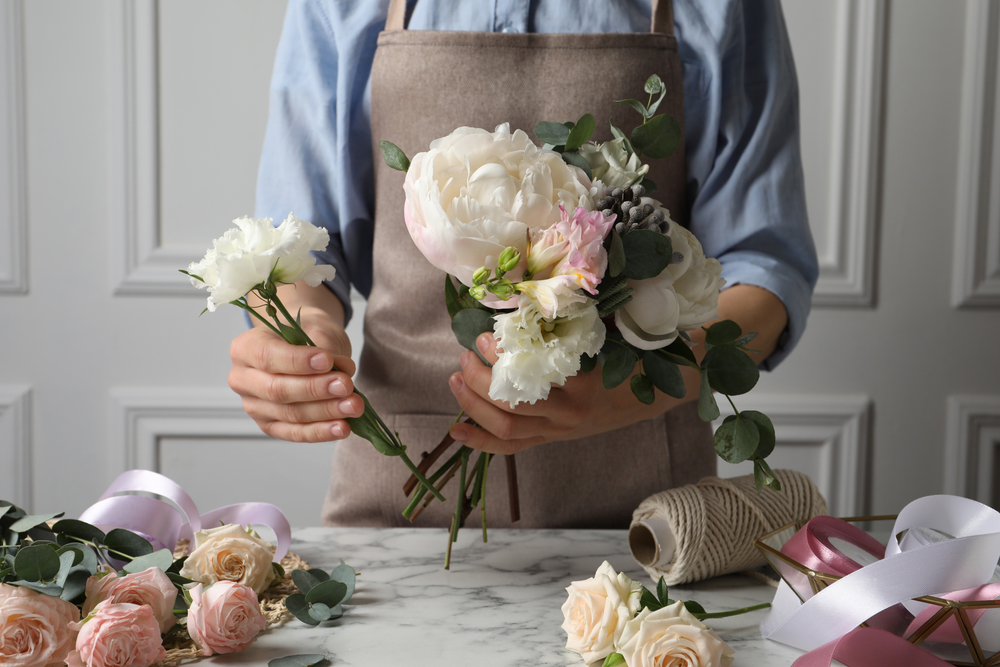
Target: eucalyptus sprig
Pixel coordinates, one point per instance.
(321, 594)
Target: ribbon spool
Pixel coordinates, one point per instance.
(707, 529)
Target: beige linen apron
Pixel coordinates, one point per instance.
(424, 85)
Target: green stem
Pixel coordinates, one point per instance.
(420, 477)
(732, 404)
(734, 612)
(292, 322)
(245, 306)
(420, 492)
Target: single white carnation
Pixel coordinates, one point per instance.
(684, 296)
(538, 352)
(596, 613)
(244, 257)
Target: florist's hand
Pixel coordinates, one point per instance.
(579, 408)
(292, 391)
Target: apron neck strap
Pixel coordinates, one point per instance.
(396, 20)
(663, 17)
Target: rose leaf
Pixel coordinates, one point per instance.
(723, 332)
(552, 133)
(128, 543)
(618, 366)
(730, 370)
(708, 409)
(694, 607)
(647, 253)
(647, 599)
(579, 134)
(298, 660)
(736, 440)
(642, 388)
(662, 593)
(394, 156)
(161, 559)
(613, 660)
(664, 375)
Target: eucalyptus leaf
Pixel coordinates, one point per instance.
(128, 543)
(618, 366)
(77, 552)
(304, 581)
(331, 593)
(26, 523)
(679, 352)
(75, 585)
(766, 430)
(45, 589)
(161, 559)
(65, 565)
(664, 375)
(708, 409)
(770, 479)
(642, 388)
(469, 323)
(723, 332)
(336, 612)
(736, 440)
(346, 575)
(178, 580)
(319, 611)
(177, 565)
(298, 660)
(638, 106)
(319, 574)
(36, 563)
(658, 137)
(745, 338)
(578, 160)
(616, 255)
(552, 133)
(581, 133)
(648, 184)
(654, 84)
(394, 156)
(587, 363)
(79, 529)
(297, 605)
(451, 296)
(647, 253)
(730, 370)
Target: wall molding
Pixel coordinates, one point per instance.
(13, 165)
(141, 263)
(972, 443)
(15, 430)
(847, 274)
(141, 416)
(976, 259)
(841, 425)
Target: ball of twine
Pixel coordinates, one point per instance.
(712, 524)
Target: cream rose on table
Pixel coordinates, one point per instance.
(231, 553)
(35, 628)
(224, 617)
(672, 636)
(596, 612)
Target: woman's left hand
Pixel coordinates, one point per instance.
(579, 408)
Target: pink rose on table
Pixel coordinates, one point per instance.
(224, 618)
(34, 628)
(150, 587)
(118, 635)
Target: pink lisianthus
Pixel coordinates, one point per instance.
(34, 628)
(224, 618)
(117, 634)
(572, 247)
(150, 587)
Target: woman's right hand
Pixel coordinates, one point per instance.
(295, 392)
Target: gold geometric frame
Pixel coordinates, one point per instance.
(769, 545)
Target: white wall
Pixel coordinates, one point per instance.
(130, 133)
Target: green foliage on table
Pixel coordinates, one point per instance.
(298, 660)
(322, 594)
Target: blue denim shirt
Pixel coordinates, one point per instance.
(744, 169)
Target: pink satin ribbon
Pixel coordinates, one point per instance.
(175, 517)
(870, 646)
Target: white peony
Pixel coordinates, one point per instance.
(611, 164)
(596, 613)
(683, 297)
(672, 636)
(244, 257)
(538, 352)
(474, 193)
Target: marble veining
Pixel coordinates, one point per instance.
(498, 605)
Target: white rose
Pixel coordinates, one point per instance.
(596, 613)
(611, 164)
(230, 553)
(244, 257)
(683, 297)
(672, 636)
(475, 193)
(538, 352)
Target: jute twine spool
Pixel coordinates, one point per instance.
(706, 529)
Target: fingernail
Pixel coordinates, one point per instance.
(319, 362)
(464, 359)
(483, 342)
(338, 430)
(460, 433)
(338, 388)
(348, 408)
(456, 382)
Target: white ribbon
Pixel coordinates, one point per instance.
(910, 570)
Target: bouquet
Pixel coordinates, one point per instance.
(559, 252)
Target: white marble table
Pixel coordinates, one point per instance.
(498, 605)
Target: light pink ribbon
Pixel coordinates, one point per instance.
(175, 517)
